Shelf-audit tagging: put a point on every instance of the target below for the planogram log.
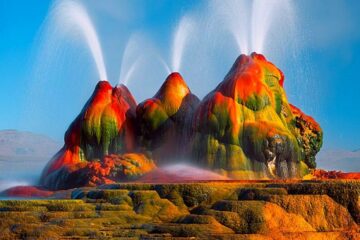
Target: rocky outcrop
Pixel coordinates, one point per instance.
(257, 217)
(322, 212)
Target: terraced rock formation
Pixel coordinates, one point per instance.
(209, 210)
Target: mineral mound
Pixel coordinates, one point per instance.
(247, 129)
(104, 126)
(244, 129)
(164, 120)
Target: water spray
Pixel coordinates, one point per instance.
(180, 37)
(73, 18)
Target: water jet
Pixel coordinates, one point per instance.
(251, 21)
(181, 35)
(135, 55)
(74, 21)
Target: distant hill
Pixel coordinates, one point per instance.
(344, 160)
(17, 144)
(24, 154)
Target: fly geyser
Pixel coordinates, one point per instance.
(243, 129)
(165, 120)
(246, 128)
(104, 126)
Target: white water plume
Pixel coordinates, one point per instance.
(264, 16)
(235, 16)
(72, 18)
(251, 21)
(181, 36)
(137, 49)
(130, 71)
(163, 63)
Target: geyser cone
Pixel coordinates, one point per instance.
(105, 117)
(245, 127)
(104, 126)
(165, 119)
(172, 93)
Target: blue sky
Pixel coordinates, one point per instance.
(47, 75)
